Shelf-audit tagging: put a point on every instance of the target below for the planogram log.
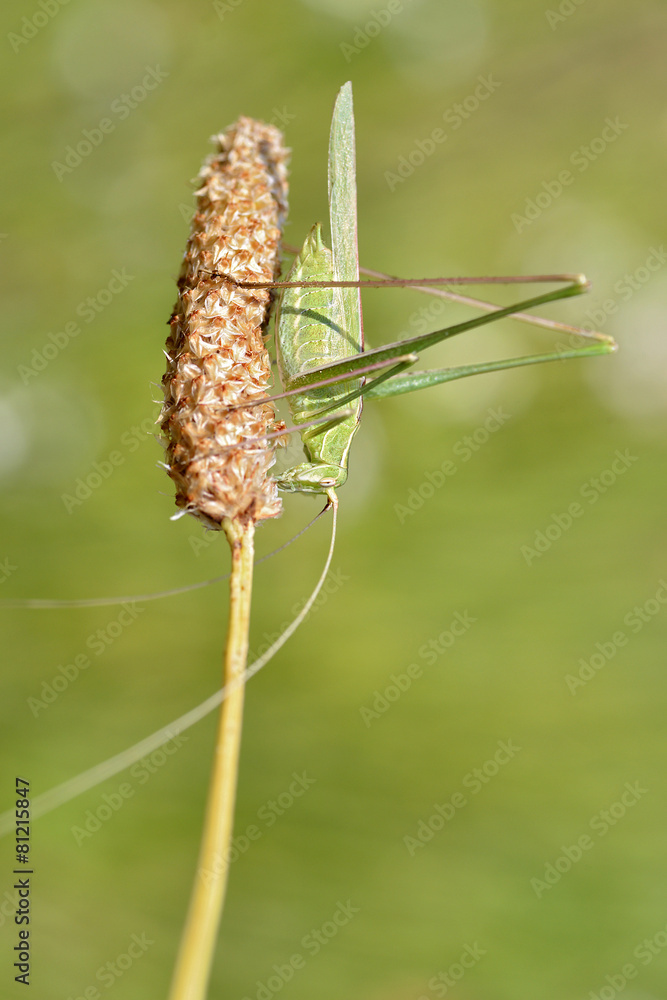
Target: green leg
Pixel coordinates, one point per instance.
(349, 366)
(467, 300)
(403, 361)
(400, 384)
(391, 383)
(317, 420)
(393, 372)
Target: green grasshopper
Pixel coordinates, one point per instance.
(322, 365)
(319, 331)
(320, 343)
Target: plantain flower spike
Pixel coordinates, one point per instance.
(219, 457)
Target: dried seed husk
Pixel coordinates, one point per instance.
(216, 353)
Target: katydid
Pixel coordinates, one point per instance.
(319, 341)
(319, 330)
(323, 365)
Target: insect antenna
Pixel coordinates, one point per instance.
(73, 787)
(43, 603)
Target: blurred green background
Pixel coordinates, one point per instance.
(558, 74)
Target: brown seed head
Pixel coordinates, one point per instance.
(216, 353)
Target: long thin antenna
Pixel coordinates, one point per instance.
(68, 790)
(99, 602)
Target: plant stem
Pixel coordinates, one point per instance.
(193, 966)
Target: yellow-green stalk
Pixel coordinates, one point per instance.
(219, 457)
